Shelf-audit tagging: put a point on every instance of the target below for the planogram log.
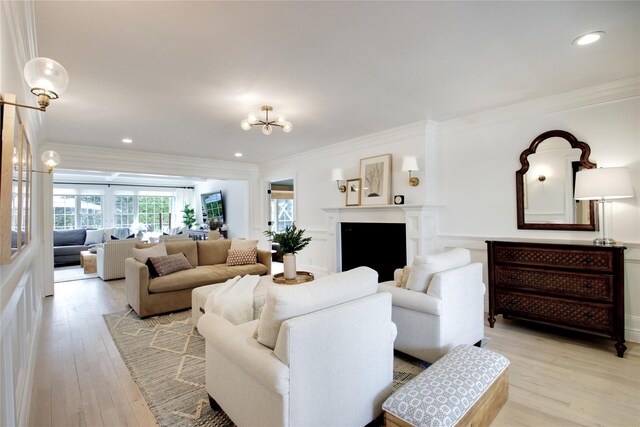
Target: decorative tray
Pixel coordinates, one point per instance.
(301, 277)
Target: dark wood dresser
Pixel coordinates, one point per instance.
(574, 285)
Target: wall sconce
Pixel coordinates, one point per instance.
(410, 164)
(51, 159)
(47, 80)
(337, 175)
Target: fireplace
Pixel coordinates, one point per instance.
(417, 234)
(380, 246)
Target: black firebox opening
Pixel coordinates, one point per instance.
(381, 246)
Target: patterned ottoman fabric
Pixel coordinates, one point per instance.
(442, 394)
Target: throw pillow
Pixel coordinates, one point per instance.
(242, 256)
(143, 254)
(243, 244)
(152, 269)
(131, 236)
(404, 277)
(114, 237)
(424, 267)
(170, 263)
(93, 237)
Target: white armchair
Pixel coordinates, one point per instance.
(449, 313)
(331, 361)
(111, 257)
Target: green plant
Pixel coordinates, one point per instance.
(291, 240)
(189, 217)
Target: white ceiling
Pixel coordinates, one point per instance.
(178, 77)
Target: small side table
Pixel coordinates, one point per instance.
(89, 262)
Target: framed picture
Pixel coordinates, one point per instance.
(375, 173)
(353, 192)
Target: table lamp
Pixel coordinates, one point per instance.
(603, 185)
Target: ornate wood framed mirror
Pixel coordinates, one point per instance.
(546, 181)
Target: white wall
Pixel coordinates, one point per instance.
(314, 189)
(21, 282)
(468, 166)
(235, 196)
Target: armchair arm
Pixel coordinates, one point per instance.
(457, 285)
(412, 300)
(256, 360)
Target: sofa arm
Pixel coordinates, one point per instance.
(256, 360)
(412, 300)
(264, 257)
(136, 276)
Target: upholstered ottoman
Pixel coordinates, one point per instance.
(199, 297)
(466, 387)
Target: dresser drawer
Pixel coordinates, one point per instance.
(582, 285)
(579, 314)
(575, 259)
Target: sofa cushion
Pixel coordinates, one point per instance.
(69, 237)
(211, 252)
(167, 264)
(187, 247)
(69, 250)
(142, 254)
(242, 256)
(424, 267)
(286, 302)
(243, 244)
(94, 237)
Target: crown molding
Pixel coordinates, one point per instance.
(114, 160)
(616, 90)
(416, 129)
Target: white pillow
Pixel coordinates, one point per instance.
(284, 302)
(424, 267)
(243, 244)
(94, 237)
(143, 254)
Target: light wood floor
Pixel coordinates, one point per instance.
(556, 378)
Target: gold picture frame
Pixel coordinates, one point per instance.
(375, 173)
(353, 192)
(15, 183)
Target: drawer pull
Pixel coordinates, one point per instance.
(512, 302)
(587, 261)
(589, 314)
(588, 285)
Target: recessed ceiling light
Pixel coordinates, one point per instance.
(588, 38)
(127, 140)
(238, 154)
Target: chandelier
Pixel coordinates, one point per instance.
(267, 125)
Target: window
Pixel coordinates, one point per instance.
(282, 211)
(90, 214)
(77, 212)
(124, 212)
(150, 208)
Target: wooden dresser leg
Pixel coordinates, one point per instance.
(621, 348)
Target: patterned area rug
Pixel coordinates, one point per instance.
(165, 355)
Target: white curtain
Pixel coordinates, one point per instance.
(183, 196)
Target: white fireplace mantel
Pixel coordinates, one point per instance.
(421, 222)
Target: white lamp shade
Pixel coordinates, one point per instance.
(337, 175)
(409, 163)
(46, 74)
(603, 183)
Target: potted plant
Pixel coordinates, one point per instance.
(291, 241)
(189, 217)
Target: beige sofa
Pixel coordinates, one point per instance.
(149, 296)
